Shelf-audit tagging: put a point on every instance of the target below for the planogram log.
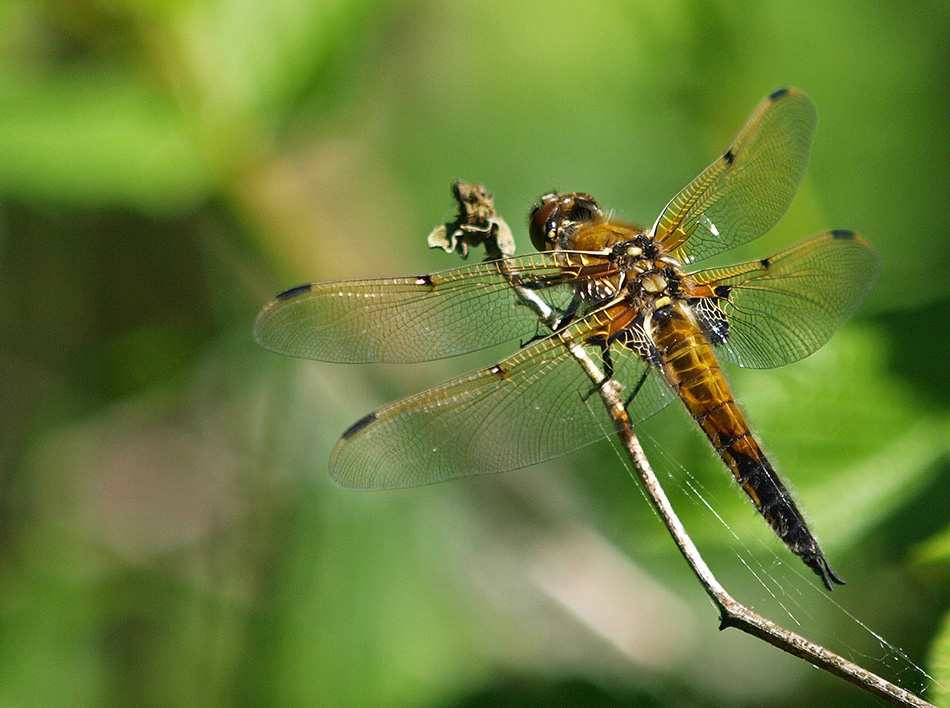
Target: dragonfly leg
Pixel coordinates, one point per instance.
(567, 316)
(636, 389)
(539, 334)
(608, 365)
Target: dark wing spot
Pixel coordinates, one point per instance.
(358, 426)
(709, 312)
(766, 262)
(294, 292)
(425, 280)
(843, 234)
(729, 156)
(723, 291)
(776, 95)
(497, 370)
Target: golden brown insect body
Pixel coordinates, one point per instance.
(655, 301)
(605, 290)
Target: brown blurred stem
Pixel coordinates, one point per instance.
(479, 224)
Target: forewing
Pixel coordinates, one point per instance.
(746, 191)
(534, 405)
(416, 318)
(780, 309)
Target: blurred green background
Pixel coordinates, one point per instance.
(168, 534)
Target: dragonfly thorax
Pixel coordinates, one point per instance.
(651, 280)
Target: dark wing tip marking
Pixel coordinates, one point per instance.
(843, 234)
(776, 95)
(729, 156)
(358, 426)
(498, 370)
(766, 262)
(425, 280)
(294, 292)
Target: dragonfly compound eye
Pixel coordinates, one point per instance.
(558, 213)
(543, 226)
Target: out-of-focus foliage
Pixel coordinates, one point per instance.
(168, 536)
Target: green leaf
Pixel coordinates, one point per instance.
(94, 138)
(938, 660)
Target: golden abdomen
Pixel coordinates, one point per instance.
(686, 359)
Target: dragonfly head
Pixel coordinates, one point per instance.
(558, 215)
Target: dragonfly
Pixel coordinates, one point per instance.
(616, 292)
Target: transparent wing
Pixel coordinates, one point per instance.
(420, 318)
(746, 191)
(534, 405)
(780, 309)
